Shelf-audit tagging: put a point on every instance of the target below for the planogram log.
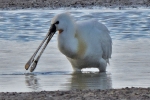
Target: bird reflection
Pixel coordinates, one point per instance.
(91, 81)
(32, 82)
(68, 81)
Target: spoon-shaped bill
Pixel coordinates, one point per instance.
(48, 37)
(37, 59)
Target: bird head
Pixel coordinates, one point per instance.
(61, 22)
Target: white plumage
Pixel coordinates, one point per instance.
(86, 44)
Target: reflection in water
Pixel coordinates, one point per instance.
(76, 81)
(32, 82)
(91, 81)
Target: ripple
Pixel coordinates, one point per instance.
(41, 73)
(32, 22)
(22, 31)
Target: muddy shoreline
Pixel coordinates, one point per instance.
(54, 4)
(111, 94)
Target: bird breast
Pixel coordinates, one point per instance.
(73, 47)
(81, 46)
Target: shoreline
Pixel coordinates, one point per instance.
(111, 94)
(53, 4)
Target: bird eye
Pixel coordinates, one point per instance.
(57, 22)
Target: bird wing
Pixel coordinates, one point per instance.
(96, 29)
(105, 40)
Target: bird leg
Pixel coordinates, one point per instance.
(102, 65)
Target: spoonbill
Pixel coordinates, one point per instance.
(85, 44)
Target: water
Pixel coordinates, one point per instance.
(21, 31)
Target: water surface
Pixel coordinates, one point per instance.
(21, 31)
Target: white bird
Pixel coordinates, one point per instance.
(86, 44)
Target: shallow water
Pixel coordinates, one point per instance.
(21, 31)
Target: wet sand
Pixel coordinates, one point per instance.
(112, 94)
(53, 4)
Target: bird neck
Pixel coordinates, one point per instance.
(67, 42)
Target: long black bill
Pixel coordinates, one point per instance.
(48, 37)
